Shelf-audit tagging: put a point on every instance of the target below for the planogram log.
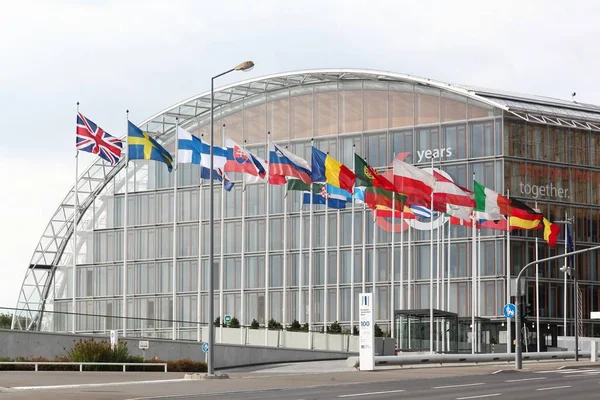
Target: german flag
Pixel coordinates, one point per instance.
(524, 217)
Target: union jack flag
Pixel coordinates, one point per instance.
(91, 138)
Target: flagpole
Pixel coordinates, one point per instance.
(267, 255)
(124, 305)
(352, 256)
(478, 297)
(310, 267)
(337, 267)
(364, 249)
(443, 273)
(326, 280)
(401, 338)
(473, 282)
(243, 259)
(75, 215)
(222, 247)
(198, 307)
(174, 270)
(437, 282)
(537, 293)
(301, 311)
(375, 266)
(565, 282)
(449, 266)
(408, 286)
(285, 267)
(508, 283)
(393, 266)
(431, 273)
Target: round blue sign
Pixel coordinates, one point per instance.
(510, 310)
(205, 347)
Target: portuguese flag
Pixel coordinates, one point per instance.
(379, 192)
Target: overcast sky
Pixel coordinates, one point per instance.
(146, 55)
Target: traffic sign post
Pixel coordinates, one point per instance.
(205, 347)
(509, 310)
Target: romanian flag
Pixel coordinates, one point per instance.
(327, 169)
(523, 217)
(142, 147)
(551, 232)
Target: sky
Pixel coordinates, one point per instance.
(147, 55)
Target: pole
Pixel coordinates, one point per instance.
(125, 208)
(198, 295)
(375, 266)
(301, 311)
(285, 267)
(352, 256)
(575, 296)
(326, 266)
(268, 253)
(174, 270)
(338, 266)
(518, 355)
(537, 293)
(364, 249)
(393, 268)
(75, 215)
(431, 273)
(222, 252)
(508, 272)
(310, 267)
(408, 285)
(473, 282)
(243, 261)
(565, 286)
(211, 245)
(402, 334)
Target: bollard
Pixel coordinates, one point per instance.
(593, 351)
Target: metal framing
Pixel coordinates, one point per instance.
(36, 291)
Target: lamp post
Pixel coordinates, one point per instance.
(518, 353)
(568, 270)
(245, 66)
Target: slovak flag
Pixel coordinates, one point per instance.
(283, 164)
(241, 160)
(92, 139)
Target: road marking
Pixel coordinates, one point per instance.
(497, 372)
(94, 385)
(479, 397)
(455, 386)
(554, 388)
(370, 393)
(526, 379)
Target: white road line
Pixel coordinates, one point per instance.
(479, 397)
(554, 388)
(370, 393)
(546, 372)
(526, 379)
(497, 372)
(456, 386)
(93, 385)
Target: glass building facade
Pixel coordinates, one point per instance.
(546, 153)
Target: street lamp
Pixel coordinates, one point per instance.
(245, 66)
(565, 268)
(518, 352)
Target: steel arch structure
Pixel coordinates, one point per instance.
(36, 295)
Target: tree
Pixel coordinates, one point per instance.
(335, 328)
(378, 331)
(235, 323)
(254, 324)
(5, 321)
(294, 326)
(274, 325)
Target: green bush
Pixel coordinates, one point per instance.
(378, 331)
(91, 351)
(294, 326)
(355, 330)
(335, 328)
(305, 327)
(274, 325)
(235, 323)
(254, 324)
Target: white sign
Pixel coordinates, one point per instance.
(366, 332)
(144, 345)
(114, 339)
(595, 315)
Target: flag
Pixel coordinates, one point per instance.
(283, 164)
(447, 192)
(327, 169)
(490, 202)
(142, 147)
(359, 194)
(459, 212)
(377, 198)
(92, 139)
(522, 216)
(322, 195)
(260, 165)
(368, 176)
(241, 160)
(189, 151)
(551, 232)
(415, 183)
(387, 213)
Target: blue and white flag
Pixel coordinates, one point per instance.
(332, 196)
(191, 150)
(421, 211)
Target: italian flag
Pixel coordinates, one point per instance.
(490, 202)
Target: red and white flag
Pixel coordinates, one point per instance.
(413, 182)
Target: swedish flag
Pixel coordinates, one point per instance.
(142, 147)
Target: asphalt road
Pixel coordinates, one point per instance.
(580, 383)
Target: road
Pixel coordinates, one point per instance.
(539, 381)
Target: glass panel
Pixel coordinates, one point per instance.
(427, 104)
(401, 105)
(278, 115)
(326, 113)
(301, 108)
(255, 122)
(376, 108)
(453, 107)
(350, 108)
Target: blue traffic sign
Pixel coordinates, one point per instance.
(205, 347)
(509, 310)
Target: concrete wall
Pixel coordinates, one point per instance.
(50, 345)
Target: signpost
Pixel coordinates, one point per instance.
(366, 333)
(509, 310)
(205, 347)
(228, 320)
(144, 345)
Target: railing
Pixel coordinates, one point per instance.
(82, 364)
(401, 360)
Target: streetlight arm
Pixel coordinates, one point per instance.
(554, 258)
(223, 73)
